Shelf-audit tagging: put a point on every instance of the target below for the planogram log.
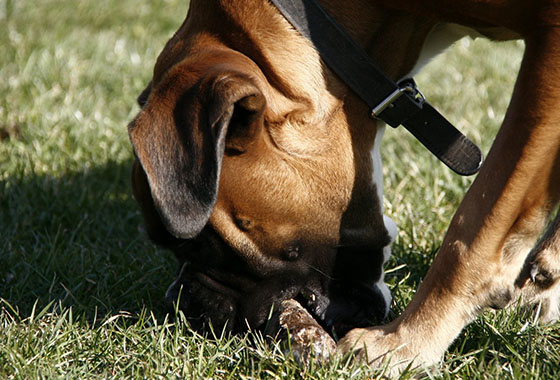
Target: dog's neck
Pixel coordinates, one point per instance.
(394, 39)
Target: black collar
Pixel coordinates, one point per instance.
(394, 103)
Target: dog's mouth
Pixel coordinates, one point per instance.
(215, 285)
(213, 301)
(224, 295)
(209, 303)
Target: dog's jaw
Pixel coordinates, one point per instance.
(215, 286)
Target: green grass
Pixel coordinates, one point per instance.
(81, 287)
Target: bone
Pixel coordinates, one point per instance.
(308, 340)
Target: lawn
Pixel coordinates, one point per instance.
(81, 287)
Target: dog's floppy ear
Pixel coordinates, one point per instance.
(179, 140)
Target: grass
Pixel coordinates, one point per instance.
(81, 287)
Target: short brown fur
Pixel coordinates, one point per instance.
(313, 128)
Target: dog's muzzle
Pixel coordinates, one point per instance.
(228, 295)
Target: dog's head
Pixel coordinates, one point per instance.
(253, 164)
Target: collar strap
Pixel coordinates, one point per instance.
(395, 103)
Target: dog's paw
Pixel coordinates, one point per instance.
(542, 289)
(384, 349)
(375, 346)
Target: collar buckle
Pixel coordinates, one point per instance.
(405, 86)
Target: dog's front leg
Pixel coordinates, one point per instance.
(495, 226)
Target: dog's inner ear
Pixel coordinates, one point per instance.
(242, 127)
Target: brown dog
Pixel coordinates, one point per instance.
(260, 169)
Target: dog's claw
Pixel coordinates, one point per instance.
(541, 277)
(533, 273)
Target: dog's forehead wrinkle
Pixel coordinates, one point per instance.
(303, 130)
(290, 67)
(281, 55)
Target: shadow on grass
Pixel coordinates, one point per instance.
(74, 239)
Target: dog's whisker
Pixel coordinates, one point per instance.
(320, 272)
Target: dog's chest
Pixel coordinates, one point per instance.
(440, 38)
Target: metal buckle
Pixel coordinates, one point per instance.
(405, 86)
